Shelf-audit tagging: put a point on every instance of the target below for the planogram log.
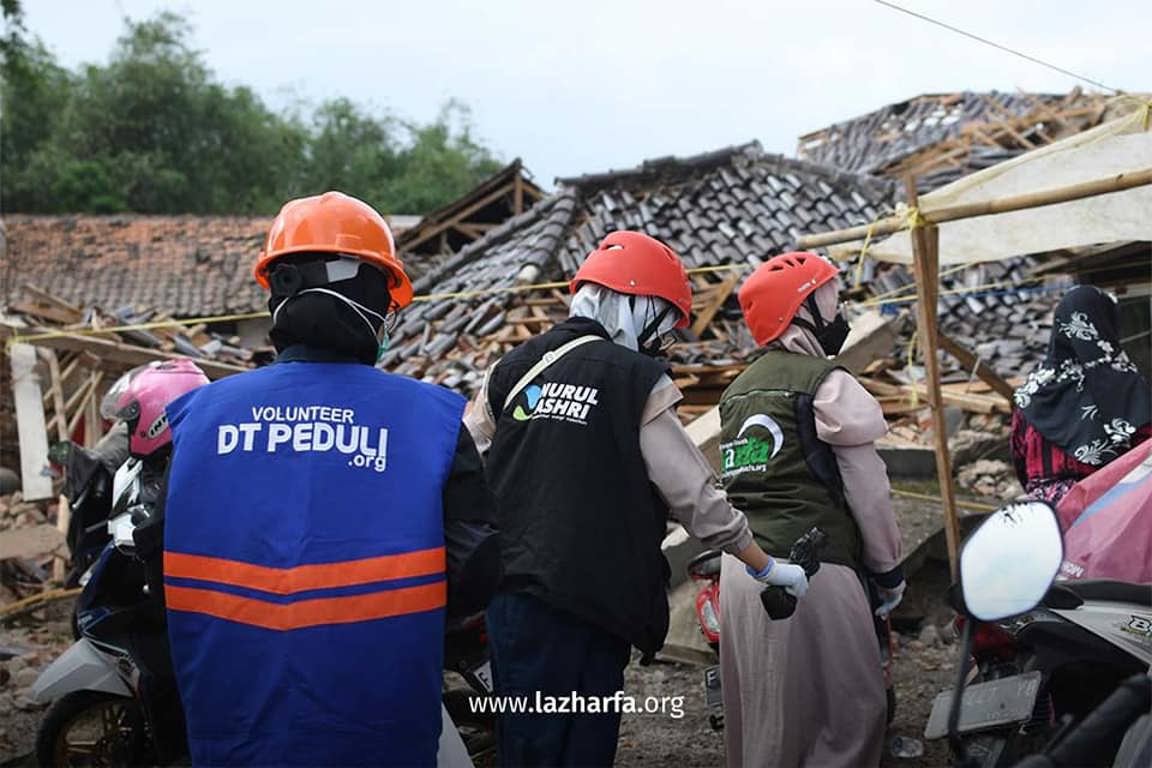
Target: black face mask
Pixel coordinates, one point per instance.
(830, 334)
(323, 321)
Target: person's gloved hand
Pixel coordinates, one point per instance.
(891, 598)
(787, 575)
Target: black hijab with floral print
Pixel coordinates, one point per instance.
(1087, 397)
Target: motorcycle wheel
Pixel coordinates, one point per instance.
(88, 728)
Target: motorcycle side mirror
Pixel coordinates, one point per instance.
(1006, 567)
(1009, 562)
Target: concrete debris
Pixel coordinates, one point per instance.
(989, 479)
(930, 636)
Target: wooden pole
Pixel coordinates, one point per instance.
(56, 389)
(891, 224)
(972, 362)
(926, 264)
(93, 426)
(518, 193)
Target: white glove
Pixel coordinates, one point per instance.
(787, 575)
(891, 598)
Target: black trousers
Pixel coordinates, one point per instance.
(545, 656)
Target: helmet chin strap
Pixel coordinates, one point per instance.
(651, 331)
(818, 323)
(830, 334)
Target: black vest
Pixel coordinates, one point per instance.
(580, 523)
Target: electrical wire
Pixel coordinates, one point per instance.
(998, 46)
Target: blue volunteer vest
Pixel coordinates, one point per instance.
(304, 565)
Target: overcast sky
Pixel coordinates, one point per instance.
(585, 85)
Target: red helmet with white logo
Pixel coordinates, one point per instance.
(140, 396)
(638, 265)
(772, 295)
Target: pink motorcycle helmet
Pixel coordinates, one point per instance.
(140, 396)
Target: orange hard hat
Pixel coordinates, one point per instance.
(772, 295)
(335, 223)
(639, 265)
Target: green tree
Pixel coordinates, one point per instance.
(441, 162)
(153, 131)
(351, 150)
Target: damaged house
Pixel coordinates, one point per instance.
(724, 212)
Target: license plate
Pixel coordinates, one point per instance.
(987, 705)
(712, 691)
(481, 676)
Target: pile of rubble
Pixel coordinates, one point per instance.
(28, 644)
(61, 359)
(17, 513)
(30, 547)
(941, 137)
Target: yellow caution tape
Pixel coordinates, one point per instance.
(863, 254)
(214, 319)
(926, 497)
(954, 292)
(913, 219)
(908, 367)
(876, 300)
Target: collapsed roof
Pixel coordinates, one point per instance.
(735, 206)
(941, 137)
(506, 193)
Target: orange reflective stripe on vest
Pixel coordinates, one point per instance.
(307, 613)
(287, 581)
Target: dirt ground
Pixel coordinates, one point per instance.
(924, 665)
(38, 638)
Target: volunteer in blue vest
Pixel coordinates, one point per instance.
(588, 459)
(304, 542)
(798, 450)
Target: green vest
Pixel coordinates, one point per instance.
(774, 467)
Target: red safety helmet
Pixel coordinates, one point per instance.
(772, 295)
(638, 265)
(335, 223)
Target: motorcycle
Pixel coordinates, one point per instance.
(112, 695)
(466, 654)
(705, 569)
(1082, 641)
(1071, 632)
(113, 698)
(88, 477)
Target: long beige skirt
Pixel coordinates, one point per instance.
(806, 691)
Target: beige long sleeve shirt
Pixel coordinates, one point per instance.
(676, 468)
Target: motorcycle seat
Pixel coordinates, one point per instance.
(1114, 591)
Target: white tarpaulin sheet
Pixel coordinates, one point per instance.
(1120, 146)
